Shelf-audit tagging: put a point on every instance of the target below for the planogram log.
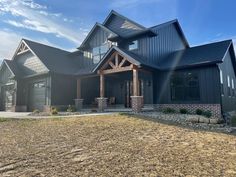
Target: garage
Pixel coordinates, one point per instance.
(37, 96)
(8, 97)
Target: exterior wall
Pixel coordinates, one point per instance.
(214, 108)
(151, 49)
(63, 90)
(30, 64)
(208, 85)
(228, 102)
(122, 26)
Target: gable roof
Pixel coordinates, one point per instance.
(13, 68)
(195, 56)
(97, 25)
(56, 60)
(131, 57)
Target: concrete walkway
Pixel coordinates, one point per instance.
(26, 115)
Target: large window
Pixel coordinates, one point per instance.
(133, 45)
(185, 86)
(221, 83)
(229, 92)
(99, 52)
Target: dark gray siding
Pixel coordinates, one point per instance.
(5, 75)
(208, 85)
(122, 26)
(228, 102)
(63, 90)
(153, 48)
(30, 64)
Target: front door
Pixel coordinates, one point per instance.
(129, 92)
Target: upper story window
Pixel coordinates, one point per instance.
(221, 83)
(88, 54)
(133, 45)
(99, 52)
(229, 92)
(185, 86)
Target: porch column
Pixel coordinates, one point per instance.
(79, 100)
(102, 101)
(136, 99)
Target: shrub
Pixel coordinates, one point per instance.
(54, 111)
(233, 121)
(36, 111)
(183, 111)
(71, 109)
(168, 110)
(207, 114)
(199, 112)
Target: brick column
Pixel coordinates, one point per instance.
(79, 104)
(137, 103)
(102, 104)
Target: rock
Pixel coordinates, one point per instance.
(204, 120)
(214, 121)
(193, 119)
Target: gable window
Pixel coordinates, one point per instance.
(233, 87)
(185, 86)
(221, 83)
(88, 55)
(133, 45)
(228, 89)
(99, 52)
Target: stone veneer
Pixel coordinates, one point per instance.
(214, 108)
(137, 103)
(79, 104)
(102, 104)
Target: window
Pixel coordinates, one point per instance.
(133, 45)
(185, 86)
(99, 52)
(232, 87)
(88, 55)
(221, 83)
(228, 89)
(39, 85)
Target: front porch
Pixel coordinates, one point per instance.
(119, 85)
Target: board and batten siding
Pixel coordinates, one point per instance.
(30, 64)
(208, 86)
(153, 48)
(122, 27)
(228, 102)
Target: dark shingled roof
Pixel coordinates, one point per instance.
(13, 67)
(56, 60)
(194, 56)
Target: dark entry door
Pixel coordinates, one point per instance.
(37, 98)
(129, 92)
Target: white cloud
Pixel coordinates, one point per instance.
(130, 3)
(35, 17)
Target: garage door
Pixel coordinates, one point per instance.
(37, 97)
(8, 97)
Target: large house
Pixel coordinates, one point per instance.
(125, 64)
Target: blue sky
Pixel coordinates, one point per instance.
(65, 23)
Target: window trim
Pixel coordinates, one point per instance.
(133, 43)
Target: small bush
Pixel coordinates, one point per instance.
(168, 110)
(183, 111)
(233, 121)
(71, 109)
(54, 111)
(36, 111)
(199, 112)
(207, 114)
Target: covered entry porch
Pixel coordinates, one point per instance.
(118, 83)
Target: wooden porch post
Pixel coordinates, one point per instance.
(79, 88)
(135, 83)
(102, 86)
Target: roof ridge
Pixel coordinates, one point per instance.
(46, 45)
(165, 23)
(220, 41)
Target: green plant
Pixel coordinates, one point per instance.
(207, 113)
(54, 111)
(183, 111)
(71, 109)
(36, 111)
(168, 110)
(233, 121)
(199, 112)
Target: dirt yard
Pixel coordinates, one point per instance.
(112, 146)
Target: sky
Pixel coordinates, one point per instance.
(65, 23)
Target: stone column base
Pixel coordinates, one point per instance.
(137, 103)
(102, 104)
(18, 108)
(79, 104)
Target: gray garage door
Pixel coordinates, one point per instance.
(37, 96)
(8, 96)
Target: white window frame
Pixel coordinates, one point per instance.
(221, 77)
(228, 78)
(232, 83)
